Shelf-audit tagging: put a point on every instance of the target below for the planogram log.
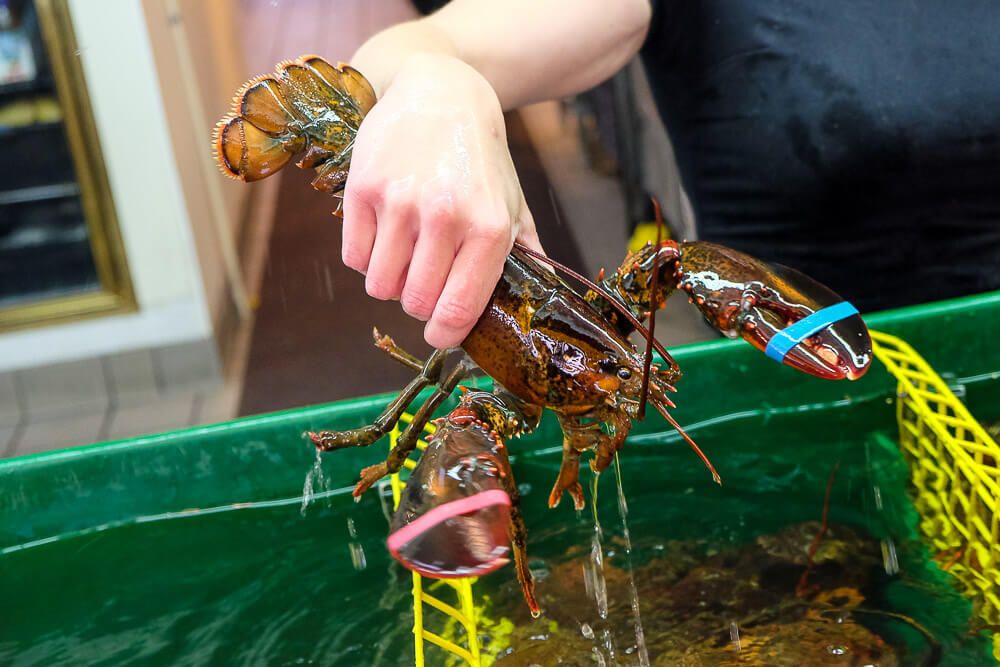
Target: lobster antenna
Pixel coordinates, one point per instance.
(647, 360)
(633, 320)
(697, 450)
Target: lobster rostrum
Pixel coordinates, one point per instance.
(545, 345)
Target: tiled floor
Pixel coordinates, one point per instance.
(46, 423)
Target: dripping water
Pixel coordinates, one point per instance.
(640, 635)
(358, 559)
(890, 559)
(315, 480)
(594, 581)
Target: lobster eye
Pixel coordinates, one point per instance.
(624, 373)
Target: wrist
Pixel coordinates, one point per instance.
(382, 57)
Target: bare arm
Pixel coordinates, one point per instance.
(528, 50)
(433, 204)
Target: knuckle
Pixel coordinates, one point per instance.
(353, 258)
(363, 190)
(379, 288)
(417, 303)
(438, 216)
(455, 313)
(398, 205)
(441, 339)
(493, 231)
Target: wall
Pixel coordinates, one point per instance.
(117, 61)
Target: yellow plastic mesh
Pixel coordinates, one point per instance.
(456, 619)
(954, 469)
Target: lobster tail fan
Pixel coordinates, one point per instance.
(247, 153)
(308, 107)
(260, 103)
(353, 86)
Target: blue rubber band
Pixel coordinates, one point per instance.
(783, 341)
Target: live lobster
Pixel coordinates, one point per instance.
(545, 345)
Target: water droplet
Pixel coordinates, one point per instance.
(539, 569)
(358, 559)
(890, 561)
(734, 635)
(328, 282)
(351, 530)
(598, 586)
(836, 649)
(587, 631)
(524, 489)
(608, 645)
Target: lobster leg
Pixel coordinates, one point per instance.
(608, 446)
(577, 438)
(408, 439)
(389, 346)
(327, 441)
(518, 535)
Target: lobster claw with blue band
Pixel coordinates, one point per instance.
(788, 315)
(806, 325)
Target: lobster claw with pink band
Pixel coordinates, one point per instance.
(453, 514)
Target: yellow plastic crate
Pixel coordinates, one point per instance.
(955, 471)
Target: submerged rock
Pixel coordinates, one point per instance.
(744, 605)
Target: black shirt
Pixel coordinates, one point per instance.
(858, 140)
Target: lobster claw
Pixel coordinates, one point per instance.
(453, 514)
(807, 326)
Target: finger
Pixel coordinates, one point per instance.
(432, 260)
(358, 233)
(468, 289)
(391, 252)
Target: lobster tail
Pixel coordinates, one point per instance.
(246, 152)
(308, 107)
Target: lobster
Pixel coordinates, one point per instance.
(545, 345)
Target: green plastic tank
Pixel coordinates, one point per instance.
(193, 548)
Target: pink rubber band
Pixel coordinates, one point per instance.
(442, 513)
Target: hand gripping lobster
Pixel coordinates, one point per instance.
(545, 345)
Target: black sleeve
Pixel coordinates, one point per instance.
(426, 7)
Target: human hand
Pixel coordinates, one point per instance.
(432, 204)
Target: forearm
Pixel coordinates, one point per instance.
(528, 50)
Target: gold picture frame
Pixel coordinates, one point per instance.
(115, 294)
